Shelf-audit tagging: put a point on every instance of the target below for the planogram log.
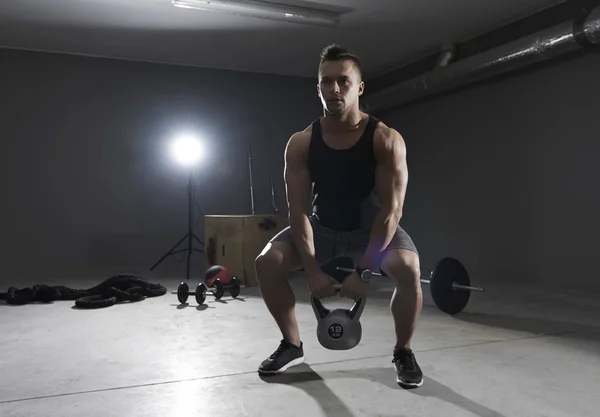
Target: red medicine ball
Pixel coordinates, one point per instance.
(214, 272)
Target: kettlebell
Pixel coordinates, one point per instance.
(338, 329)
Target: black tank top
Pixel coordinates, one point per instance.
(344, 196)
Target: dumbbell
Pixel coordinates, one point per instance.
(218, 290)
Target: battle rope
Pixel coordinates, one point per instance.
(116, 289)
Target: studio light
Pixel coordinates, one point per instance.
(188, 151)
(265, 10)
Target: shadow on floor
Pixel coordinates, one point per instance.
(539, 326)
(301, 375)
(527, 324)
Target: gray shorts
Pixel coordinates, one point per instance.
(331, 244)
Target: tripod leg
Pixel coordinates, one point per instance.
(196, 237)
(189, 235)
(170, 252)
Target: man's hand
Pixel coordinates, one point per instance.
(320, 284)
(353, 287)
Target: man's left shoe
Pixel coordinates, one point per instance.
(408, 372)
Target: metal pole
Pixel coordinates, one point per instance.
(190, 221)
(467, 288)
(251, 182)
(273, 196)
(457, 286)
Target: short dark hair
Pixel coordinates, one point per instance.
(335, 52)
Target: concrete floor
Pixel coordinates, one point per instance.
(531, 353)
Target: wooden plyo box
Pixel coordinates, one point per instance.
(235, 241)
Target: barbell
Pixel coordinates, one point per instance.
(450, 285)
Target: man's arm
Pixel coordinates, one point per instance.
(297, 185)
(391, 179)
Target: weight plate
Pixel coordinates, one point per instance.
(235, 289)
(182, 292)
(219, 289)
(200, 293)
(450, 300)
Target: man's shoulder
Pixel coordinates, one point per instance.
(307, 132)
(302, 136)
(387, 141)
(299, 142)
(386, 134)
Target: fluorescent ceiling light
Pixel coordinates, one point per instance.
(264, 10)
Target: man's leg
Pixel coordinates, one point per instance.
(400, 261)
(272, 267)
(403, 266)
(407, 300)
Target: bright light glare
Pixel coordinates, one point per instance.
(187, 150)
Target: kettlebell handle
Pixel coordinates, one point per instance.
(322, 311)
(337, 288)
(319, 308)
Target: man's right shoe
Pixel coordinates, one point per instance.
(286, 356)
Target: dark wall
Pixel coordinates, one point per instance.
(504, 175)
(87, 181)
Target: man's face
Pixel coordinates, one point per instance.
(339, 85)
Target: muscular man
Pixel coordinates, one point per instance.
(357, 166)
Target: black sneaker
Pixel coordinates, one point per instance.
(408, 372)
(286, 356)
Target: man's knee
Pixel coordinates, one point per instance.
(267, 265)
(274, 262)
(403, 266)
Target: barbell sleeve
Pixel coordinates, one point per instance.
(467, 288)
(457, 286)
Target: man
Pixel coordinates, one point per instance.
(357, 166)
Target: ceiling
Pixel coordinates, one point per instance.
(384, 33)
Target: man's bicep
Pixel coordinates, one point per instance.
(297, 178)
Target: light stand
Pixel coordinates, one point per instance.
(190, 236)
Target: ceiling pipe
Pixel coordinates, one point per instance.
(447, 55)
(545, 45)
